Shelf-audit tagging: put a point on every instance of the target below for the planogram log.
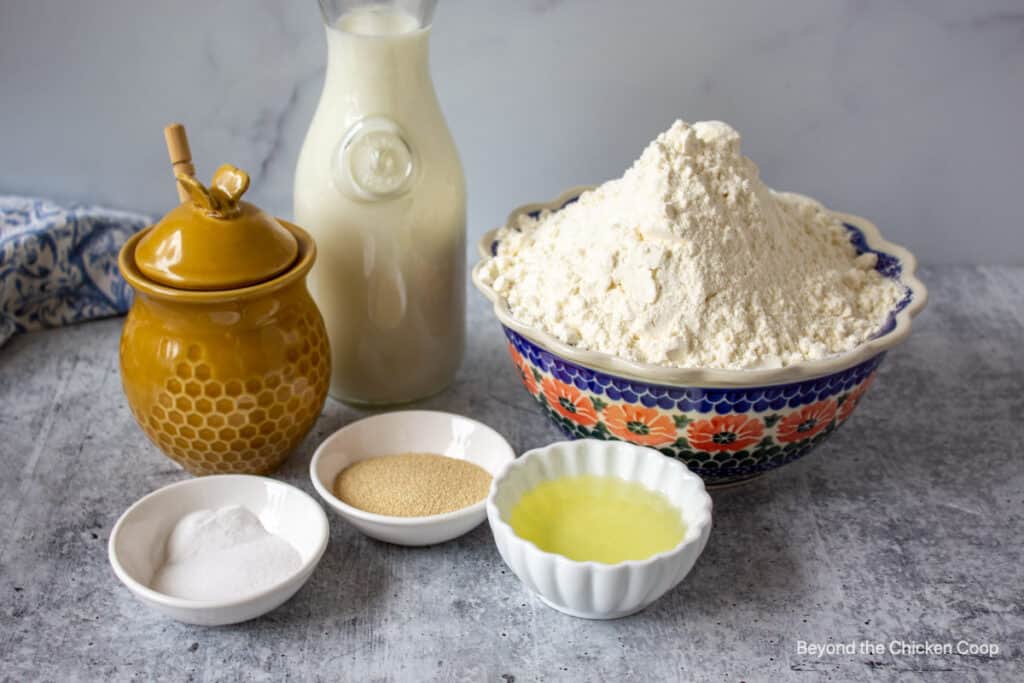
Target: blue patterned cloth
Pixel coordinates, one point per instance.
(58, 264)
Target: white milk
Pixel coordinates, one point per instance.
(380, 187)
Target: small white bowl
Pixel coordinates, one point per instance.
(595, 590)
(137, 543)
(409, 431)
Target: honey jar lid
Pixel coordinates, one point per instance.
(214, 240)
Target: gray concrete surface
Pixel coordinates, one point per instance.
(905, 527)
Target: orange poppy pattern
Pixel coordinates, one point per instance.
(853, 399)
(569, 402)
(724, 433)
(806, 422)
(640, 425)
(524, 369)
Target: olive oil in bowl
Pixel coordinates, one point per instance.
(598, 519)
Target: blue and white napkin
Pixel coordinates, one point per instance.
(58, 264)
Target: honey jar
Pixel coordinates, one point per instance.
(224, 356)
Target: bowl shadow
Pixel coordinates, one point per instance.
(350, 579)
(749, 566)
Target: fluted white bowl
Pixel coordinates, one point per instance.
(595, 590)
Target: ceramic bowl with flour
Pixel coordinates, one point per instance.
(704, 401)
(726, 425)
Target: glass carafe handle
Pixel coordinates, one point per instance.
(374, 160)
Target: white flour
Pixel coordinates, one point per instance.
(689, 260)
(223, 554)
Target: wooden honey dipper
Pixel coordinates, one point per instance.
(181, 155)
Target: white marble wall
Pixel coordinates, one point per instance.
(906, 112)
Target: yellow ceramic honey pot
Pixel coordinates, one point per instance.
(224, 355)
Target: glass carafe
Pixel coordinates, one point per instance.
(380, 187)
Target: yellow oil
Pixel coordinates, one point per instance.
(599, 519)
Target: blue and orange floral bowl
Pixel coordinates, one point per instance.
(725, 425)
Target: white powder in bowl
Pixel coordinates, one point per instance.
(689, 260)
(220, 555)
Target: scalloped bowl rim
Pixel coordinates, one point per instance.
(715, 377)
(695, 529)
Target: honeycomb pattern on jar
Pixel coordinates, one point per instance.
(213, 425)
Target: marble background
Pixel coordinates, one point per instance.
(905, 112)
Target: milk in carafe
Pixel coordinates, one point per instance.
(380, 187)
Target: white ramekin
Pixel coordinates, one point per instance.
(136, 547)
(408, 431)
(594, 590)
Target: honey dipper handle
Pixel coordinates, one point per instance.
(180, 154)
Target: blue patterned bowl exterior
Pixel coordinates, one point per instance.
(723, 435)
